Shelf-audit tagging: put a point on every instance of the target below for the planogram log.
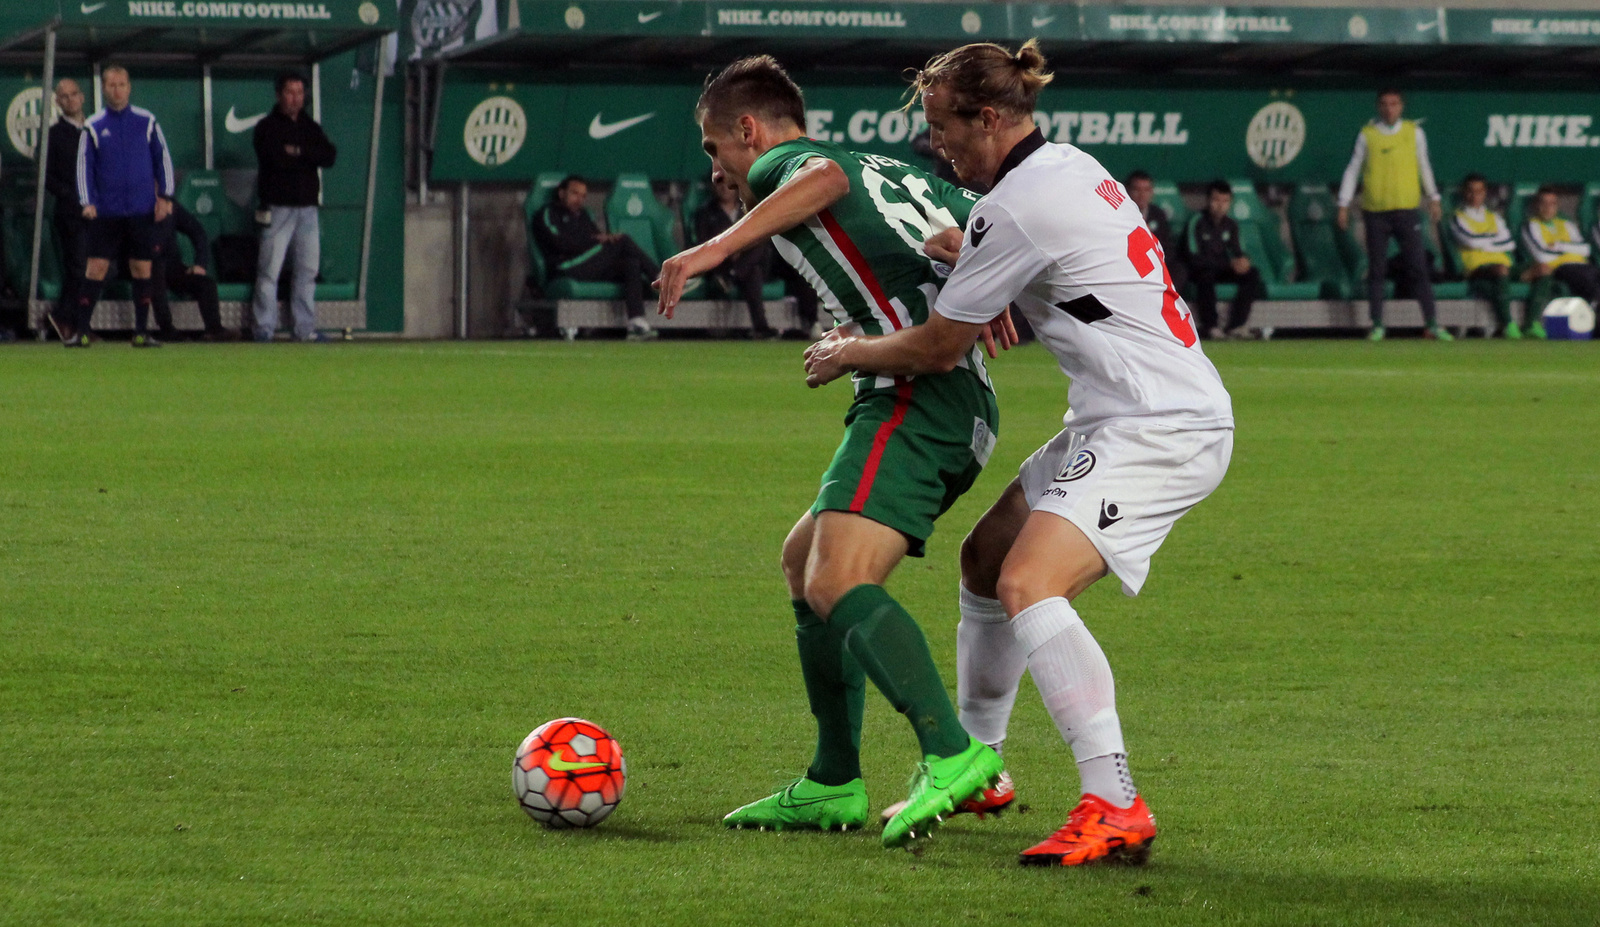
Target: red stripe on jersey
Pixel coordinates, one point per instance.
(853, 255)
(1108, 191)
(869, 473)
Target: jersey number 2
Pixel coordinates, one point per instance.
(1141, 245)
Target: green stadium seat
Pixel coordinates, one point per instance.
(633, 210)
(1171, 202)
(559, 287)
(1328, 255)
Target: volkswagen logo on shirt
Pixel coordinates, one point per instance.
(1076, 468)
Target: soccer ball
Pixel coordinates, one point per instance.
(569, 773)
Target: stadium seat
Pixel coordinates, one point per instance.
(633, 210)
(560, 287)
(1328, 255)
(1171, 202)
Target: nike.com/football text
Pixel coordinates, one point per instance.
(216, 9)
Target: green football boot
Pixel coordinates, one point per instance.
(938, 787)
(1535, 329)
(1512, 331)
(1438, 333)
(806, 805)
(1376, 334)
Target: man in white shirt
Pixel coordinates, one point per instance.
(1391, 162)
(1149, 434)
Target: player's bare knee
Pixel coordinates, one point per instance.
(980, 569)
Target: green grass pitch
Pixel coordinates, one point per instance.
(273, 621)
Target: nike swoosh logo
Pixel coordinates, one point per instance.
(235, 125)
(599, 129)
(560, 765)
(1040, 22)
(87, 8)
(649, 17)
(787, 802)
(1424, 27)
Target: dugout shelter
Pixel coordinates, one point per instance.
(187, 58)
(1270, 97)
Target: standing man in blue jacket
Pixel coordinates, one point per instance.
(125, 185)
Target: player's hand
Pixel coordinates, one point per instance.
(678, 270)
(163, 208)
(1434, 211)
(944, 246)
(1000, 334)
(1241, 265)
(197, 269)
(825, 359)
(1343, 219)
(89, 212)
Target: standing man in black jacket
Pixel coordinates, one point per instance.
(573, 246)
(290, 149)
(1217, 256)
(61, 180)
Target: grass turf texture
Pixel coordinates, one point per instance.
(275, 620)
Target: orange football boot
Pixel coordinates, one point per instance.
(1098, 832)
(992, 800)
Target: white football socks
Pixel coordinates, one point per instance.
(1074, 678)
(990, 662)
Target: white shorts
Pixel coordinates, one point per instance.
(1125, 485)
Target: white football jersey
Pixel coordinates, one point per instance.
(1058, 237)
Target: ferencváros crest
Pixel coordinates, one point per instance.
(437, 23)
(22, 120)
(495, 131)
(1276, 134)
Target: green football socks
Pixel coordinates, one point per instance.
(890, 647)
(837, 690)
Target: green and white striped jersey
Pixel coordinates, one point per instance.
(864, 254)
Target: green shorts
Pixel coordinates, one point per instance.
(908, 454)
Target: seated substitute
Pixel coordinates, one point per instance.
(1216, 256)
(1559, 254)
(574, 247)
(744, 273)
(1486, 244)
(1142, 190)
(169, 272)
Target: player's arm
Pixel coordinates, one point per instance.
(816, 185)
(935, 346)
(987, 278)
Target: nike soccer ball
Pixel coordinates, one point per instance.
(569, 773)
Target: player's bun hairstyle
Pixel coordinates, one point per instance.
(758, 86)
(986, 74)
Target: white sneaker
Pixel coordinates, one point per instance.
(640, 330)
(816, 332)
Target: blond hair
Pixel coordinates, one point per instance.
(985, 74)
